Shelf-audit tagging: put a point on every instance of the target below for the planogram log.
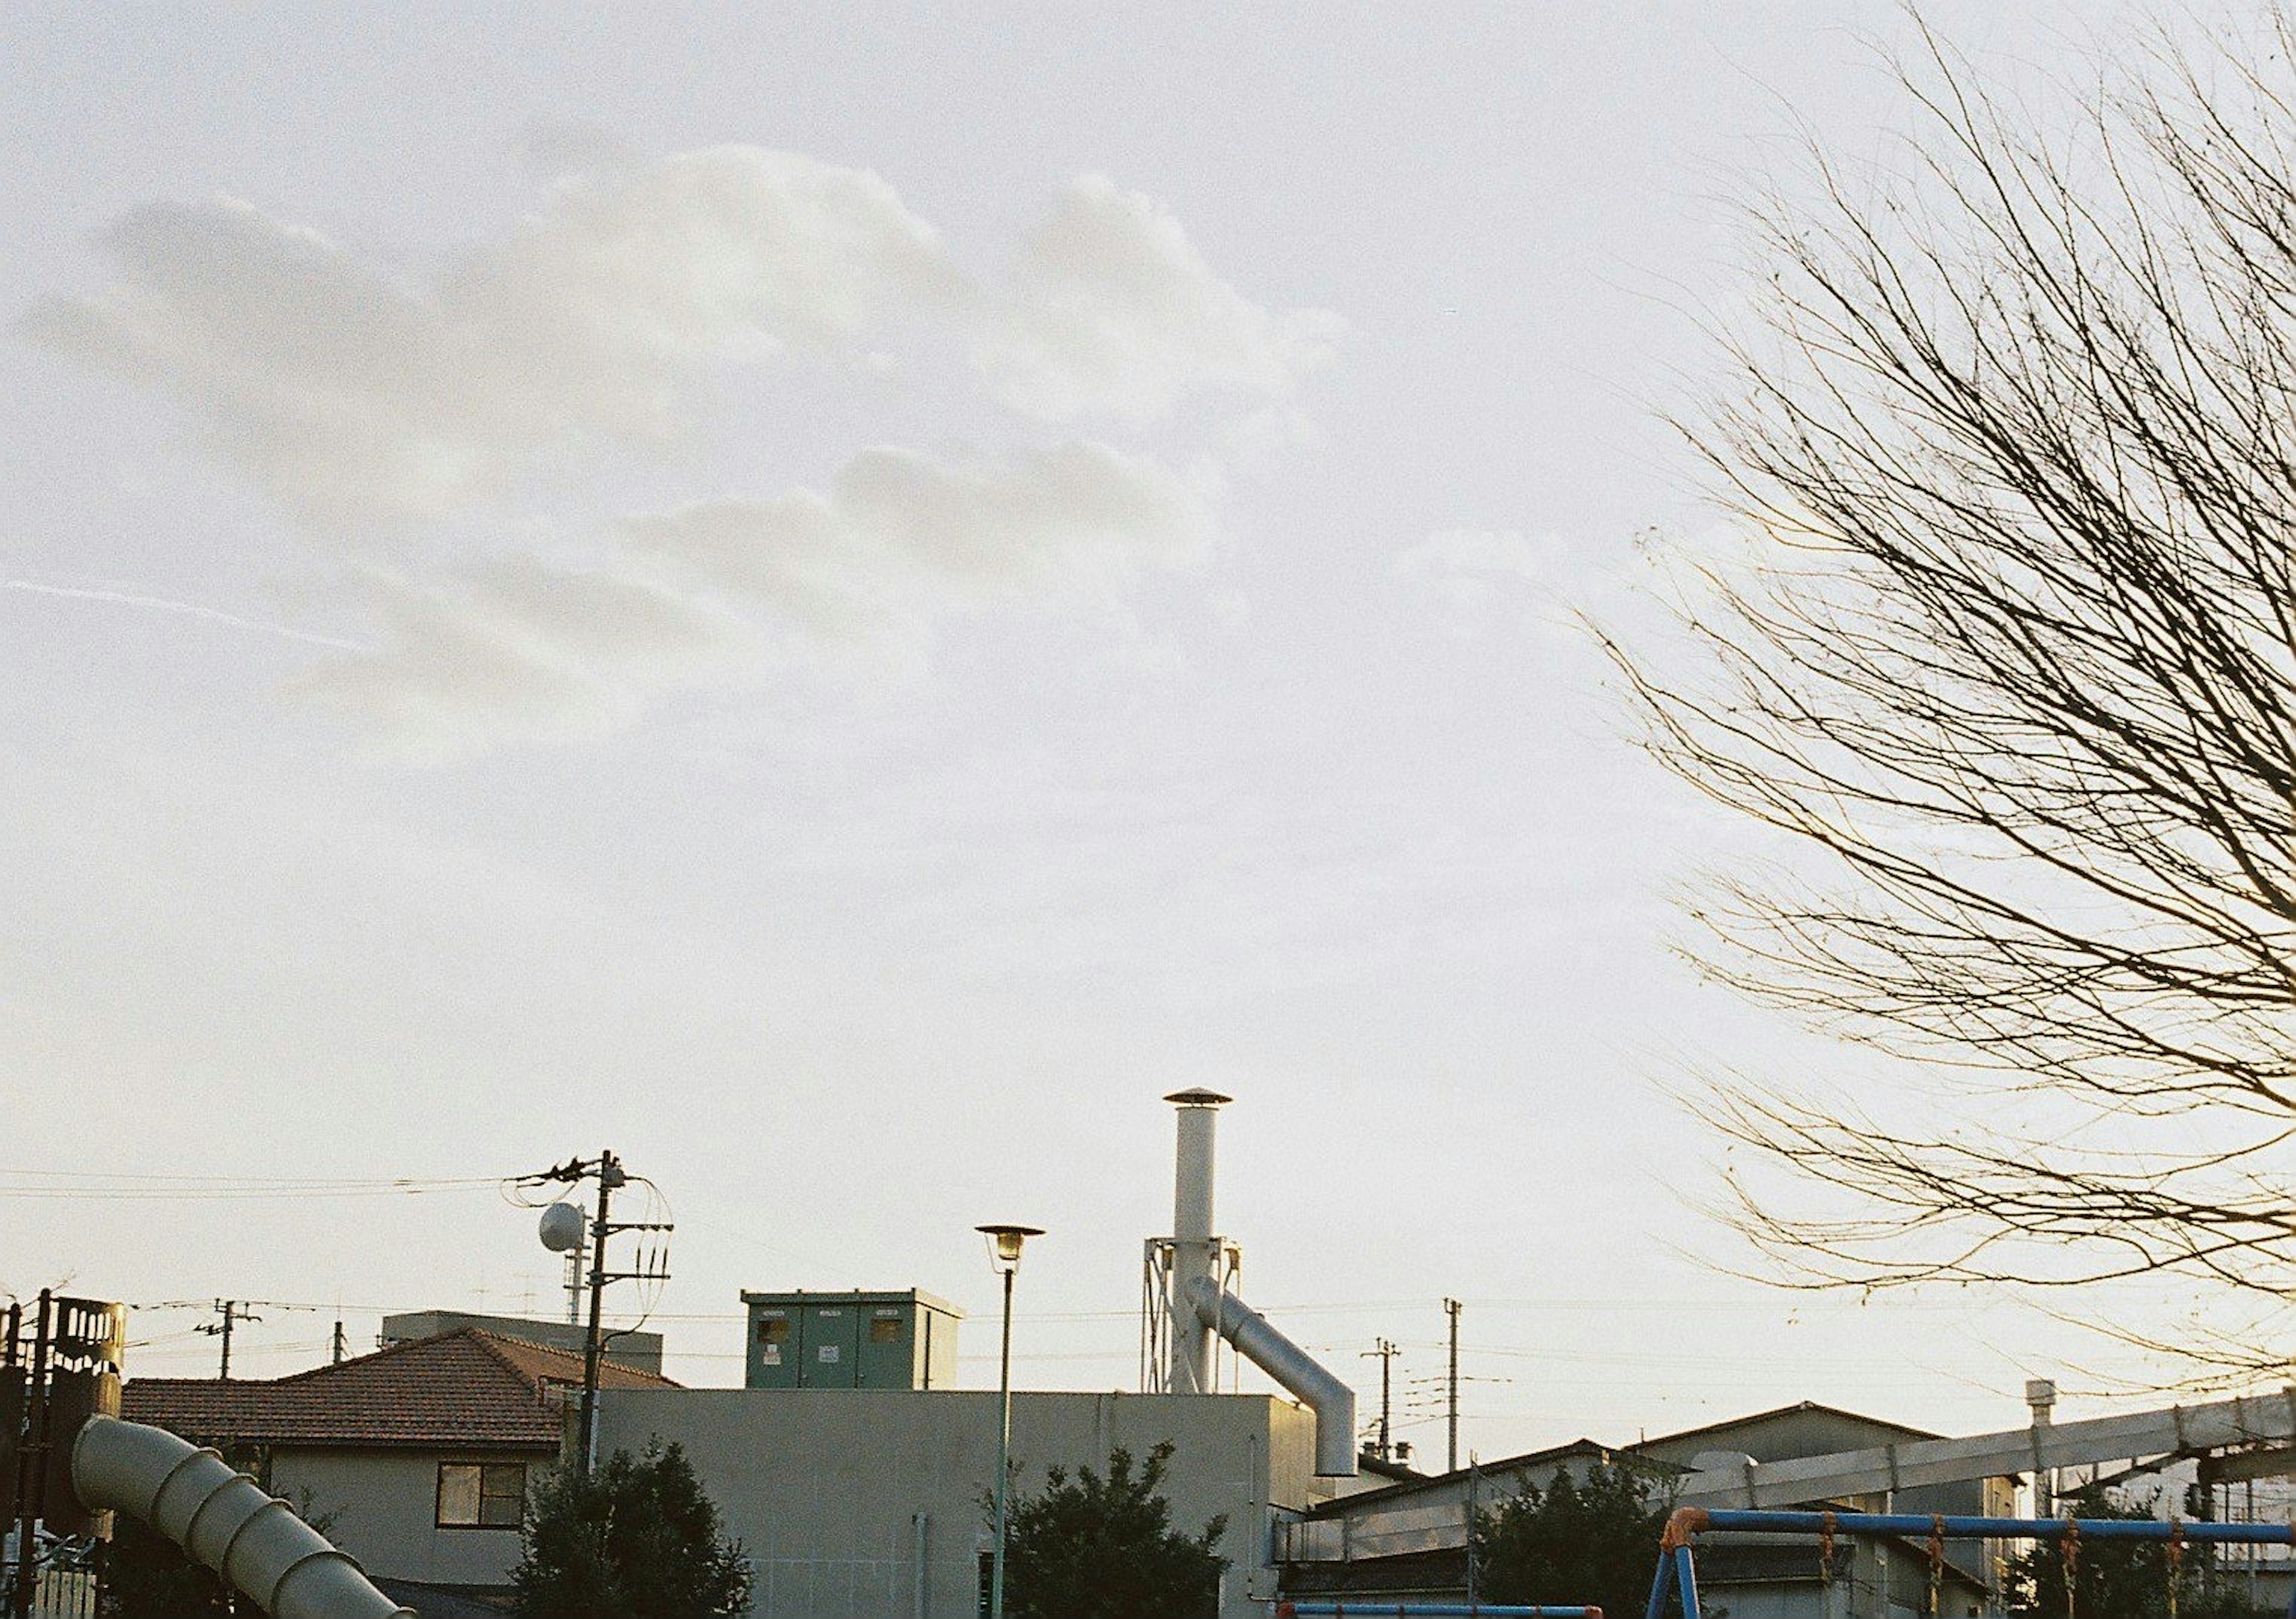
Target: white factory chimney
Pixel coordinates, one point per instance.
(1187, 1287)
(1195, 1251)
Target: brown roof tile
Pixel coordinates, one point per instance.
(469, 1388)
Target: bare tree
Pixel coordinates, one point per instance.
(2015, 441)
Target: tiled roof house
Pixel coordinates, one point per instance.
(421, 1453)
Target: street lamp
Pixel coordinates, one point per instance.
(1004, 1256)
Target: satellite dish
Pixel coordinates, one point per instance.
(561, 1228)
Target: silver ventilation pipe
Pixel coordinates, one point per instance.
(1196, 1250)
(1333, 1402)
(224, 1520)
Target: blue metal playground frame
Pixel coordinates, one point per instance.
(1371, 1608)
(1677, 1571)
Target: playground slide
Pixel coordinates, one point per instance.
(222, 1520)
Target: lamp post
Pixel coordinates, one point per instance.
(1004, 1256)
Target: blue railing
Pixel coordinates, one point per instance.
(1371, 1608)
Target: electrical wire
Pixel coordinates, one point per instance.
(206, 1189)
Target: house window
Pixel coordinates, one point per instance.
(482, 1494)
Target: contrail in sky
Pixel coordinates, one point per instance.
(190, 610)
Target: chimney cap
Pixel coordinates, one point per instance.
(1198, 1097)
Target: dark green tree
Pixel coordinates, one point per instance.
(2111, 1579)
(638, 1539)
(1590, 1541)
(1089, 1547)
(147, 1576)
(2122, 1579)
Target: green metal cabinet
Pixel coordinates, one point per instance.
(888, 1347)
(773, 1353)
(850, 1340)
(830, 1356)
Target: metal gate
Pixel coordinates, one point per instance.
(64, 1593)
(834, 1588)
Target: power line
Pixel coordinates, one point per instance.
(70, 1186)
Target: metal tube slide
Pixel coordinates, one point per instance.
(1332, 1401)
(222, 1519)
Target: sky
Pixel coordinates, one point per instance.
(837, 598)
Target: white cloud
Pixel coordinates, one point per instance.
(353, 400)
(1542, 581)
(520, 650)
(901, 538)
(1470, 571)
(356, 400)
(1039, 517)
(370, 404)
(1485, 554)
(1111, 309)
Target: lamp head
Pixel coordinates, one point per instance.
(1004, 1243)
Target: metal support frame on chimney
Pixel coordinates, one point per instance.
(1157, 1289)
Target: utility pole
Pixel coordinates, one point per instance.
(29, 1485)
(609, 1176)
(1451, 1461)
(1384, 1449)
(233, 1312)
(1474, 1508)
(652, 1264)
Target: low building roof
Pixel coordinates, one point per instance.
(1664, 1454)
(1350, 1504)
(465, 1389)
(1734, 1426)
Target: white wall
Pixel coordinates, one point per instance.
(826, 1488)
(384, 1504)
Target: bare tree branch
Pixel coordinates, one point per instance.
(2016, 664)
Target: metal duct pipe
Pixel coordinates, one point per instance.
(224, 1520)
(1195, 1251)
(1332, 1401)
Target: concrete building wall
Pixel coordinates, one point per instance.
(385, 1509)
(640, 1351)
(866, 1503)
